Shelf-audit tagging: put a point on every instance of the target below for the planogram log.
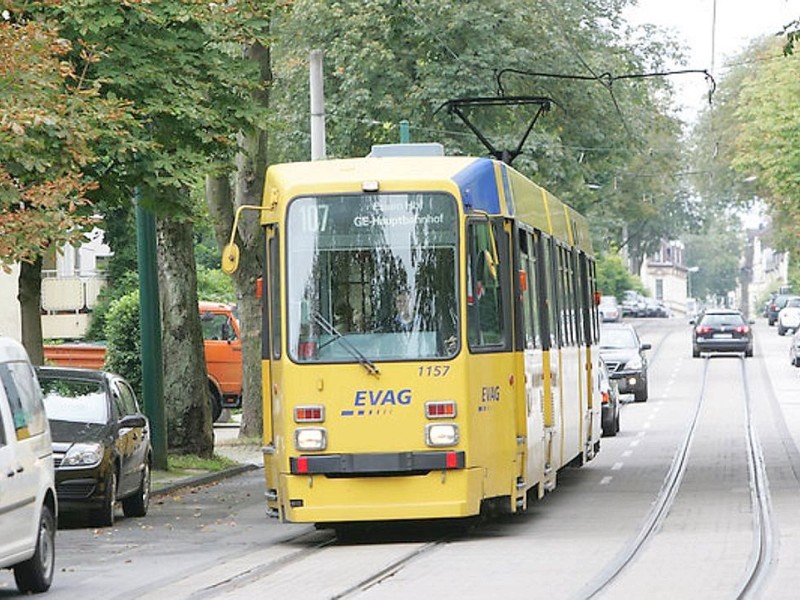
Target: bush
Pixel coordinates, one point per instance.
(122, 334)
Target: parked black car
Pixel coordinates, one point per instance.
(623, 353)
(101, 443)
(722, 330)
(610, 401)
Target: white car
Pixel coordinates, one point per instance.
(789, 316)
(28, 505)
(609, 309)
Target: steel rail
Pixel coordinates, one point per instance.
(660, 508)
(763, 540)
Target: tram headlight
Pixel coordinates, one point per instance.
(310, 439)
(441, 434)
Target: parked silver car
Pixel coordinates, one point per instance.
(28, 504)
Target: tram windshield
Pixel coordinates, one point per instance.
(372, 277)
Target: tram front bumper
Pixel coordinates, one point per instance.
(434, 495)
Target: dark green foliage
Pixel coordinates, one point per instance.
(124, 344)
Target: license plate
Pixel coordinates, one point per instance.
(723, 336)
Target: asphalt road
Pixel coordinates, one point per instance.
(589, 537)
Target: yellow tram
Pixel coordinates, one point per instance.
(428, 345)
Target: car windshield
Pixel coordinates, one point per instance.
(722, 321)
(73, 400)
(794, 302)
(617, 338)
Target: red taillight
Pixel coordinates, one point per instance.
(309, 414)
(440, 410)
(743, 329)
(605, 397)
(701, 329)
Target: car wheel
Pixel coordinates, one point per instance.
(35, 575)
(104, 516)
(748, 352)
(609, 430)
(641, 395)
(137, 505)
(616, 423)
(216, 402)
(695, 352)
(781, 330)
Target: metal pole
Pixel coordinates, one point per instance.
(405, 134)
(317, 105)
(150, 326)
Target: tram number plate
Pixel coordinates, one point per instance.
(723, 336)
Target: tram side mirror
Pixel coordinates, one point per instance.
(230, 258)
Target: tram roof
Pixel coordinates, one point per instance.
(481, 184)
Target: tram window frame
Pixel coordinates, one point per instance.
(592, 304)
(564, 292)
(530, 327)
(578, 299)
(476, 254)
(273, 310)
(551, 332)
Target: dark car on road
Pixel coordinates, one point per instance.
(722, 330)
(610, 401)
(774, 306)
(624, 355)
(101, 443)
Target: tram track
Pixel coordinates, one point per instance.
(763, 540)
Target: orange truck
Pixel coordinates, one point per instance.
(223, 352)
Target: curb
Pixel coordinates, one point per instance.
(202, 479)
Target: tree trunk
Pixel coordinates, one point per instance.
(186, 395)
(30, 302)
(251, 167)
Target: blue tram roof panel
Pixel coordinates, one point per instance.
(478, 185)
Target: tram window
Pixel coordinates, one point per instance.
(550, 288)
(486, 318)
(350, 259)
(275, 295)
(530, 300)
(577, 296)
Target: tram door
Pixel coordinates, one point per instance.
(271, 352)
(491, 372)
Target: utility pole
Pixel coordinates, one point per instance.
(150, 331)
(318, 151)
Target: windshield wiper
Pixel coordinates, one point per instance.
(328, 328)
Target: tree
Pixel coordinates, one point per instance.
(620, 138)
(52, 123)
(173, 61)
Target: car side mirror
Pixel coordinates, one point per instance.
(646, 346)
(691, 321)
(132, 421)
(752, 322)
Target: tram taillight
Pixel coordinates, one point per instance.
(445, 409)
(309, 414)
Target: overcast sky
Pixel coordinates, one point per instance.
(693, 21)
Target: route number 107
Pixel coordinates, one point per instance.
(314, 218)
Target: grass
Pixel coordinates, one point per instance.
(191, 462)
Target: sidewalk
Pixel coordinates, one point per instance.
(226, 443)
